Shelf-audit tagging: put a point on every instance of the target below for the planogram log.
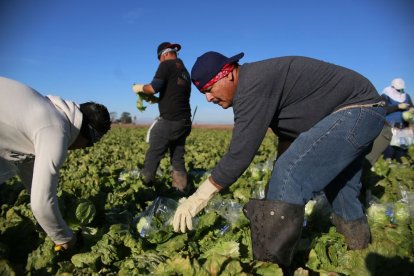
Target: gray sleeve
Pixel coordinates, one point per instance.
(51, 149)
(253, 115)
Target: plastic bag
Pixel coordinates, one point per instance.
(402, 213)
(260, 174)
(317, 209)
(403, 210)
(380, 214)
(129, 174)
(396, 213)
(402, 137)
(259, 192)
(118, 217)
(260, 171)
(230, 210)
(155, 223)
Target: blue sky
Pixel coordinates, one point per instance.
(86, 50)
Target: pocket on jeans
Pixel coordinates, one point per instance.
(366, 129)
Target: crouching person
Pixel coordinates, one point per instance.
(35, 134)
(326, 118)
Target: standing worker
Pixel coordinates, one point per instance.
(35, 135)
(172, 127)
(398, 102)
(331, 115)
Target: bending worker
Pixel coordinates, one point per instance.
(331, 113)
(169, 132)
(397, 103)
(35, 135)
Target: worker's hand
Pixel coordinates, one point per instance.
(152, 99)
(138, 88)
(191, 206)
(143, 96)
(411, 110)
(403, 106)
(66, 246)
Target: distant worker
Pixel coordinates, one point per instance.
(399, 108)
(331, 115)
(170, 130)
(35, 134)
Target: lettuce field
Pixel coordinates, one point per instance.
(123, 227)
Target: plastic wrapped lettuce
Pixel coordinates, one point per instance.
(380, 214)
(402, 214)
(260, 171)
(317, 211)
(129, 174)
(259, 191)
(230, 210)
(154, 223)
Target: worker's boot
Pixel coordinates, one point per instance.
(275, 228)
(179, 180)
(356, 232)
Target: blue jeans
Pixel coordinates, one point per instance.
(328, 157)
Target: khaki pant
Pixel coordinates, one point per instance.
(379, 145)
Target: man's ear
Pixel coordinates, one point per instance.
(230, 76)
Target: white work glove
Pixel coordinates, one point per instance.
(403, 106)
(138, 88)
(191, 206)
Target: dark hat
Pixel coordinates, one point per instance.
(167, 45)
(96, 121)
(208, 65)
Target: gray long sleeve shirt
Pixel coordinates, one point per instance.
(35, 133)
(289, 95)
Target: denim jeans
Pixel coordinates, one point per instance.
(328, 157)
(166, 136)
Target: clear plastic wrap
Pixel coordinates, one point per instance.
(155, 222)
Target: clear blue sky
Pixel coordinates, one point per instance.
(94, 50)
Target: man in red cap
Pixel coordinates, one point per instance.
(169, 132)
(325, 117)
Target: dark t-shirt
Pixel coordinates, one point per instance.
(289, 95)
(173, 82)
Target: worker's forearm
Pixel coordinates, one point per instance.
(148, 89)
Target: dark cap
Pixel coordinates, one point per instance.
(96, 121)
(208, 65)
(167, 45)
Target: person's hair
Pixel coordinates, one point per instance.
(94, 115)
